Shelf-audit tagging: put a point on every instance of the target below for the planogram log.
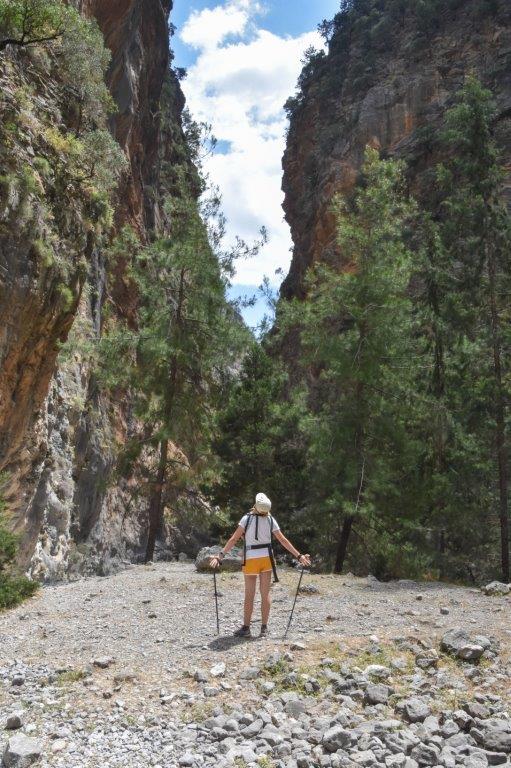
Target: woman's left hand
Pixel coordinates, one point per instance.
(305, 560)
(214, 562)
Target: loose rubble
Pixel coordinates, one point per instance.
(410, 696)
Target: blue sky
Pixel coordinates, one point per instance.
(243, 59)
(283, 17)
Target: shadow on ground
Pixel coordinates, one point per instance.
(226, 642)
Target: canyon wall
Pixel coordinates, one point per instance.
(59, 434)
(385, 82)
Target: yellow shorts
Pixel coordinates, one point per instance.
(256, 565)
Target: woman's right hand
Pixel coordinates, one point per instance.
(214, 562)
(305, 560)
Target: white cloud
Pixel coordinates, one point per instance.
(211, 26)
(242, 76)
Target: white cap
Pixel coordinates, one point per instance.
(262, 503)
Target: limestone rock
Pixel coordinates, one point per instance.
(340, 114)
(415, 710)
(336, 738)
(231, 562)
(458, 643)
(494, 735)
(13, 722)
(21, 752)
(497, 588)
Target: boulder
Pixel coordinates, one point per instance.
(458, 642)
(495, 588)
(103, 662)
(21, 752)
(426, 754)
(494, 735)
(377, 671)
(336, 738)
(376, 694)
(252, 730)
(295, 707)
(231, 562)
(218, 670)
(415, 710)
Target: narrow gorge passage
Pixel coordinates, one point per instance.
(255, 248)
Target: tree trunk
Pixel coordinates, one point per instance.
(500, 419)
(342, 544)
(155, 505)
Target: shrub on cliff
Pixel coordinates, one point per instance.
(29, 22)
(13, 588)
(60, 164)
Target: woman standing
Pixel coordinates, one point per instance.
(258, 528)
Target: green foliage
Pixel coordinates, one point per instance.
(356, 337)
(27, 22)
(258, 441)
(188, 337)
(465, 320)
(54, 140)
(184, 323)
(13, 588)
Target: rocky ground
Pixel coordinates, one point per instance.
(128, 671)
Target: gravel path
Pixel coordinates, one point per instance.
(117, 671)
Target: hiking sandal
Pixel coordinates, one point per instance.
(264, 631)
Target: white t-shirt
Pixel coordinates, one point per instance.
(263, 526)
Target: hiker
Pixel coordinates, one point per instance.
(257, 527)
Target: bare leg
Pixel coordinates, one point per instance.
(250, 588)
(264, 586)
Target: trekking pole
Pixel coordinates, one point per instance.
(296, 598)
(216, 604)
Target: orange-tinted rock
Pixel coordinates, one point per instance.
(409, 87)
(58, 436)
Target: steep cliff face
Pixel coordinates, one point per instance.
(386, 82)
(59, 434)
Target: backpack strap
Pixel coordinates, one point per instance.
(249, 520)
(272, 556)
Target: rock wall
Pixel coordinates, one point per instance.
(60, 435)
(388, 87)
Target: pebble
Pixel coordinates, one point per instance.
(13, 722)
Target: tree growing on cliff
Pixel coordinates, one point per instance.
(356, 337)
(31, 22)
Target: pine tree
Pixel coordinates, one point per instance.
(259, 445)
(356, 338)
(474, 227)
(185, 339)
(355, 332)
